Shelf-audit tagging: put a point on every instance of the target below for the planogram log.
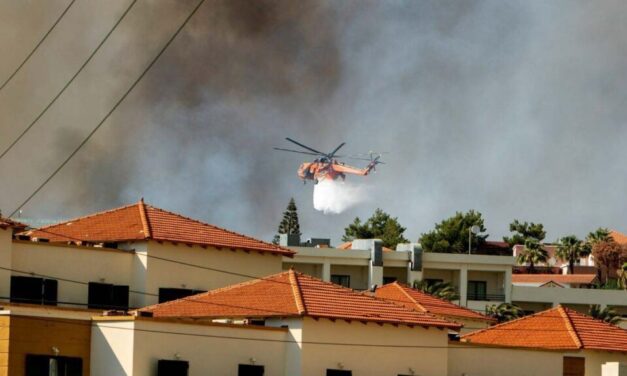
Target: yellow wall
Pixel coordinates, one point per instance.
(368, 360)
(5, 322)
(247, 265)
(200, 345)
(38, 335)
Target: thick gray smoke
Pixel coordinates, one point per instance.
(515, 109)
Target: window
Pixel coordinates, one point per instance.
(343, 280)
(46, 365)
(433, 281)
(107, 296)
(387, 280)
(172, 367)
(574, 366)
(168, 294)
(33, 290)
(339, 372)
(250, 370)
(477, 290)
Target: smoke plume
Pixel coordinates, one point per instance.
(334, 197)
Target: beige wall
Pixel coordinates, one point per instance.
(399, 273)
(358, 274)
(595, 360)
(314, 270)
(370, 360)
(200, 345)
(73, 263)
(5, 261)
(168, 274)
(494, 280)
(478, 361)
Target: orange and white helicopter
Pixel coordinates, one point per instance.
(327, 166)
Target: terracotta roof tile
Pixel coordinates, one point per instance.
(423, 302)
(349, 245)
(618, 237)
(559, 328)
(557, 278)
(140, 221)
(9, 223)
(292, 294)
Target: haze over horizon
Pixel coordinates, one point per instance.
(515, 109)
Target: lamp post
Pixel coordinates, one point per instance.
(472, 230)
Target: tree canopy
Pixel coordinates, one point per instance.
(571, 249)
(451, 235)
(379, 226)
(289, 224)
(533, 253)
(523, 231)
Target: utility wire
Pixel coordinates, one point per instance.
(37, 46)
(68, 83)
(117, 104)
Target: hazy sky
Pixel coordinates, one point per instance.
(514, 108)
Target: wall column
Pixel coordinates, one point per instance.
(463, 286)
(326, 271)
(508, 285)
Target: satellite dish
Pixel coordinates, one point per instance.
(475, 229)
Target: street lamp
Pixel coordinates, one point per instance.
(472, 230)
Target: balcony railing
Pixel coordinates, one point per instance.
(487, 297)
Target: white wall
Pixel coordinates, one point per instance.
(205, 347)
(370, 360)
(480, 361)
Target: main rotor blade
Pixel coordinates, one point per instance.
(297, 151)
(304, 146)
(336, 149)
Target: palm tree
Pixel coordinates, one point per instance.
(533, 253)
(571, 249)
(504, 312)
(601, 234)
(606, 314)
(442, 290)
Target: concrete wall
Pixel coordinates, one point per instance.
(203, 346)
(399, 273)
(5, 261)
(569, 296)
(245, 265)
(371, 360)
(479, 361)
(81, 264)
(596, 359)
(314, 270)
(358, 274)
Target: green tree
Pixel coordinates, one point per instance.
(289, 224)
(379, 226)
(524, 231)
(571, 249)
(533, 253)
(504, 312)
(451, 235)
(442, 290)
(606, 314)
(601, 234)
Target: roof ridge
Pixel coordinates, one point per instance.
(569, 325)
(411, 298)
(144, 218)
(84, 217)
(217, 227)
(298, 296)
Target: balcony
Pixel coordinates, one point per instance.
(498, 297)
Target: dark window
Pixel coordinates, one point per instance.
(250, 370)
(172, 367)
(45, 365)
(33, 290)
(433, 281)
(387, 280)
(574, 366)
(343, 280)
(477, 290)
(168, 294)
(107, 296)
(339, 372)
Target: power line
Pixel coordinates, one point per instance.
(37, 46)
(67, 83)
(112, 109)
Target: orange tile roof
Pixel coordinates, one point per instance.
(293, 294)
(422, 302)
(9, 223)
(141, 221)
(557, 278)
(618, 237)
(559, 328)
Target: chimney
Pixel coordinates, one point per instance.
(415, 254)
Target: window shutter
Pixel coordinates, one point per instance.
(50, 287)
(120, 298)
(98, 295)
(250, 370)
(172, 367)
(37, 365)
(26, 290)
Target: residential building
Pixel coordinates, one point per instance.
(131, 256)
(422, 302)
(316, 328)
(559, 341)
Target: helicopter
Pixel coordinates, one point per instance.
(327, 166)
